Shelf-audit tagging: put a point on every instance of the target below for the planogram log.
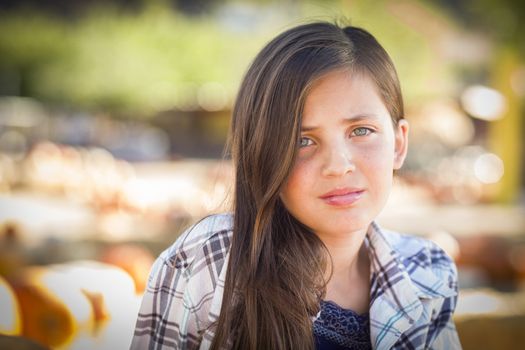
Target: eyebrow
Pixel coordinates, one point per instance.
(353, 119)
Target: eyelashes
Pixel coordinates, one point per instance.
(361, 131)
(305, 142)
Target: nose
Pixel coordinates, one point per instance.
(338, 161)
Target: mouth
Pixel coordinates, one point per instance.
(342, 197)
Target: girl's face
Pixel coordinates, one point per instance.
(348, 151)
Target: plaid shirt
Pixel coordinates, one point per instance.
(412, 296)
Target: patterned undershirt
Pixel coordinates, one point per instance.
(338, 328)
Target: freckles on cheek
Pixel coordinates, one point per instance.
(300, 180)
(293, 181)
(297, 175)
(372, 156)
(380, 156)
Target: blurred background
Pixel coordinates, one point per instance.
(113, 118)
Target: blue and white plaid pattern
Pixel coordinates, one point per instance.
(413, 291)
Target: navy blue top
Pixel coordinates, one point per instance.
(337, 328)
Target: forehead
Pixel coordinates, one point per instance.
(343, 94)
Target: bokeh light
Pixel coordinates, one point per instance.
(483, 102)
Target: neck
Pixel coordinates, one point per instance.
(348, 253)
(349, 274)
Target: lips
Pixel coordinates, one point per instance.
(342, 196)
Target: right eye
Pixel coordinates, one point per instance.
(305, 142)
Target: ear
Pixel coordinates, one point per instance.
(401, 143)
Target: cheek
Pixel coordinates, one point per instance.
(295, 180)
(379, 157)
(377, 167)
(299, 181)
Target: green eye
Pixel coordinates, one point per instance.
(361, 131)
(304, 142)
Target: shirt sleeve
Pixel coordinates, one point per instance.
(181, 290)
(166, 318)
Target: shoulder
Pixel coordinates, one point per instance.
(183, 286)
(188, 272)
(427, 264)
(207, 241)
(198, 253)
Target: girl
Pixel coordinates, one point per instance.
(316, 134)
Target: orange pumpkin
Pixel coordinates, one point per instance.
(53, 306)
(46, 319)
(134, 259)
(10, 323)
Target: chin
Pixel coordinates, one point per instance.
(354, 226)
(337, 226)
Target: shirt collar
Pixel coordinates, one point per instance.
(385, 259)
(395, 292)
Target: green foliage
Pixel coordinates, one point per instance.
(422, 73)
(130, 63)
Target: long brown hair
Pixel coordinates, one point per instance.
(275, 276)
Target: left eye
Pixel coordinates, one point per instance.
(361, 131)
